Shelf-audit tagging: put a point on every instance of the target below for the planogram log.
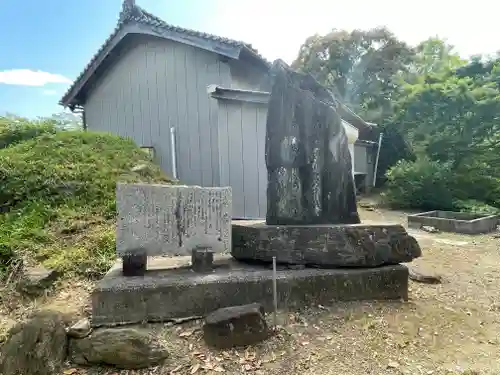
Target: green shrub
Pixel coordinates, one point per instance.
(475, 207)
(70, 166)
(14, 130)
(475, 183)
(58, 197)
(422, 184)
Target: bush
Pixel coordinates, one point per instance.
(73, 166)
(58, 197)
(432, 185)
(15, 130)
(476, 184)
(422, 184)
(475, 207)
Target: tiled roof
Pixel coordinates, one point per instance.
(133, 13)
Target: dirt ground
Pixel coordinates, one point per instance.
(447, 328)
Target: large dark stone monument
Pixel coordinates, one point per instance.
(309, 167)
(312, 217)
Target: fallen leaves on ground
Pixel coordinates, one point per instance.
(444, 329)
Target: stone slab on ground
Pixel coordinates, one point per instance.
(165, 293)
(236, 326)
(156, 219)
(127, 348)
(328, 246)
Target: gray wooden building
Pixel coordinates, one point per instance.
(149, 82)
(241, 129)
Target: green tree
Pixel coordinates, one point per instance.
(66, 120)
(452, 117)
(359, 66)
(434, 55)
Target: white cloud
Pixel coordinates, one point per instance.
(26, 77)
(49, 92)
(277, 28)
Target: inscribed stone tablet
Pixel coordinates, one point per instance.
(172, 219)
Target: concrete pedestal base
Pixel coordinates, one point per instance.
(170, 289)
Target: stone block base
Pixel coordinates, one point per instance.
(165, 293)
(324, 246)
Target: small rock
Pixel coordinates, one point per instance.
(80, 329)
(139, 168)
(429, 229)
(392, 364)
(235, 326)
(143, 170)
(35, 280)
(126, 348)
(35, 347)
(423, 277)
(367, 206)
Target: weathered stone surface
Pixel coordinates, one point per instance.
(355, 245)
(36, 280)
(172, 219)
(235, 326)
(202, 260)
(128, 348)
(80, 329)
(35, 347)
(309, 166)
(167, 293)
(135, 264)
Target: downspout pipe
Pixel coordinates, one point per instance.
(172, 152)
(84, 120)
(376, 160)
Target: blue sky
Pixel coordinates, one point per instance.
(45, 44)
(59, 37)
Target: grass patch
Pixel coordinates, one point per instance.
(58, 198)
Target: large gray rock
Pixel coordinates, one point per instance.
(35, 347)
(235, 326)
(158, 219)
(309, 166)
(127, 348)
(327, 246)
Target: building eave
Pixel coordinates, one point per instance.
(241, 95)
(262, 97)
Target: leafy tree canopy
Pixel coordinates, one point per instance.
(439, 112)
(360, 66)
(452, 117)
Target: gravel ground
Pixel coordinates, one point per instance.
(447, 328)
